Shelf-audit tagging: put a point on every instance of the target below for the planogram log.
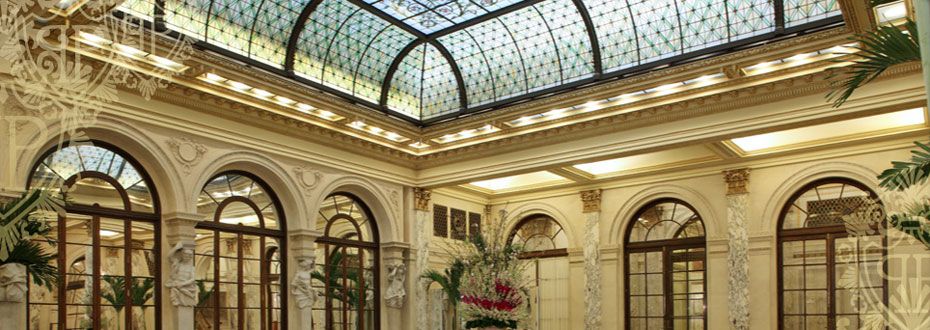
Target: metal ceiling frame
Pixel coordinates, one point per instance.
(432, 39)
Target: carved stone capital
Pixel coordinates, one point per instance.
(180, 227)
(591, 201)
(421, 199)
(737, 181)
(302, 242)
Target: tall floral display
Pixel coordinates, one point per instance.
(493, 291)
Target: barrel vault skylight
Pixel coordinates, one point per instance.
(429, 60)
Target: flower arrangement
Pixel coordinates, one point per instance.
(492, 290)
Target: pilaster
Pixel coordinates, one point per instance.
(302, 245)
(423, 233)
(591, 208)
(737, 181)
(180, 235)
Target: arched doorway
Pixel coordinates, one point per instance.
(108, 238)
(545, 248)
(665, 268)
(238, 254)
(348, 265)
(815, 251)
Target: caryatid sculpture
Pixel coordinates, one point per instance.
(182, 284)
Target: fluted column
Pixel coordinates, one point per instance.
(181, 235)
(422, 232)
(738, 246)
(591, 201)
(302, 245)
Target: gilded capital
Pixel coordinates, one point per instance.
(737, 181)
(421, 199)
(591, 200)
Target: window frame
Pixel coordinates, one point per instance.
(216, 227)
(667, 247)
(95, 212)
(829, 235)
(332, 244)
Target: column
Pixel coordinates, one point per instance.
(180, 280)
(738, 246)
(302, 243)
(422, 231)
(591, 207)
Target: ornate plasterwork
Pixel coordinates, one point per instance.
(592, 271)
(738, 247)
(396, 291)
(421, 198)
(737, 181)
(181, 283)
(186, 152)
(591, 200)
(12, 283)
(308, 178)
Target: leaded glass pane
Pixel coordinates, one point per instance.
(272, 29)
(803, 11)
(320, 30)
(139, 8)
(472, 61)
(372, 66)
(440, 93)
(188, 16)
(355, 33)
(404, 95)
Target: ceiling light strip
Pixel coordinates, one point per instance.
(128, 52)
(378, 131)
(626, 98)
(267, 96)
(800, 59)
(466, 134)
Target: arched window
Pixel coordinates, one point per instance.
(238, 255)
(816, 252)
(108, 239)
(348, 275)
(540, 236)
(545, 250)
(665, 259)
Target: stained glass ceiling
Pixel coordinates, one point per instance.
(431, 60)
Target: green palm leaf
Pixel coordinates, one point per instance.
(37, 262)
(903, 175)
(879, 50)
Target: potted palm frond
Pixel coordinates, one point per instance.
(24, 221)
(449, 280)
(139, 293)
(879, 50)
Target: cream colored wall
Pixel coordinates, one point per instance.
(771, 184)
(302, 174)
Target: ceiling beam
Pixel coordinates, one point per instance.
(724, 150)
(483, 18)
(390, 19)
(295, 33)
(573, 174)
(592, 36)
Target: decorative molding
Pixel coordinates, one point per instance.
(421, 198)
(308, 178)
(187, 152)
(591, 201)
(737, 181)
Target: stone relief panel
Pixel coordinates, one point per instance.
(186, 152)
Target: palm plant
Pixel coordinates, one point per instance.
(139, 292)
(449, 280)
(878, 51)
(22, 220)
